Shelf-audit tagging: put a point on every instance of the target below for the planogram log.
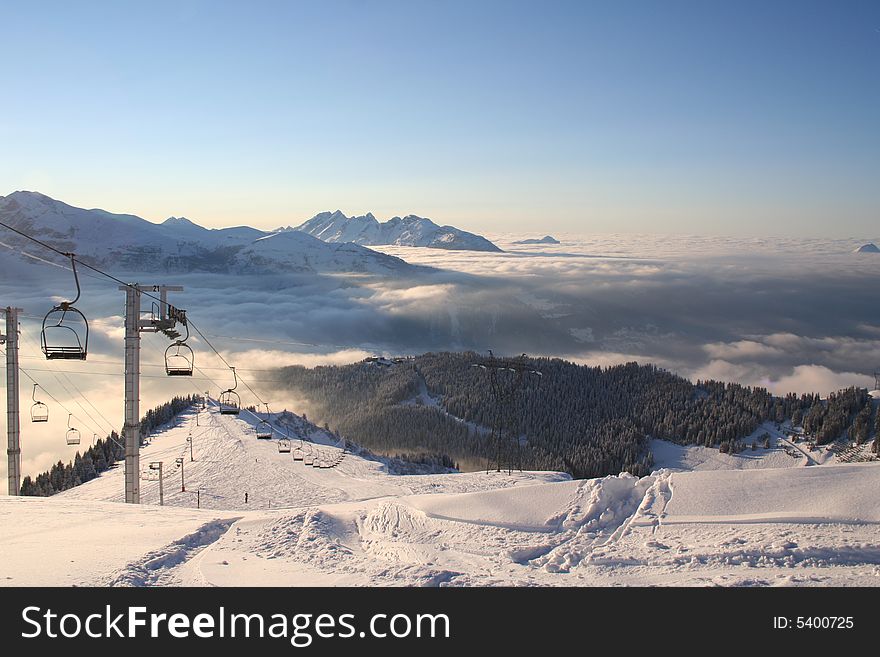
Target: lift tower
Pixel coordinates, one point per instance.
(13, 445)
(506, 380)
(162, 318)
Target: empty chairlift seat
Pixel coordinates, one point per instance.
(230, 403)
(179, 360)
(72, 436)
(65, 334)
(284, 446)
(39, 411)
(264, 430)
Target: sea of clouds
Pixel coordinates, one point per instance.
(791, 314)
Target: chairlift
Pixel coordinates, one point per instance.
(179, 357)
(65, 334)
(230, 402)
(72, 436)
(284, 446)
(39, 411)
(309, 459)
(264, 429)
(298, 453)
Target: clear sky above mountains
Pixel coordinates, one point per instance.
(682, 116)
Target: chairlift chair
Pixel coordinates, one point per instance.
(309, 458)
(264, 429)
(230, 402)
(298, 454)
(65, 334)
(179, 357)
(72, 436)
(39, 411)
(179, 363)
(284, 446)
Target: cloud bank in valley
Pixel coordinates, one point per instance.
(800, 315)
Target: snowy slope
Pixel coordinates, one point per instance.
(129, 243)
(356, 524)
(398, 231)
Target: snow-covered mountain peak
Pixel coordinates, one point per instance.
(410, 230)
(179, 221)
(130, 243)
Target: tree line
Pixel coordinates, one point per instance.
(584, 420)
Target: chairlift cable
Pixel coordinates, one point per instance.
(69, 380)
(53, 397)
(74, 260)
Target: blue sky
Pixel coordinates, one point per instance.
(701, 117)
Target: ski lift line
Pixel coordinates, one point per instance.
(70, 395)
(225, 362)
(52, 397)
(74, 399)
(101, 415)
(149, 376)
(74, 260)
(153, 365)
(87, 400)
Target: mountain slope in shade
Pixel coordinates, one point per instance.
(127, 242)
(398, 231)
(868, 248)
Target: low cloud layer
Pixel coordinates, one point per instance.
(792, 315)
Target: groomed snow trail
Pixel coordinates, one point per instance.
(356, 524)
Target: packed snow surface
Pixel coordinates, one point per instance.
(358, 524)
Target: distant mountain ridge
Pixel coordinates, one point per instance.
(547, 239)
(411, 230)
(130, 243)
(870, 247)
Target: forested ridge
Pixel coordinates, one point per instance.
(102, 455)
(588, 421)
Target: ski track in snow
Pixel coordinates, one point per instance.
(356, 524)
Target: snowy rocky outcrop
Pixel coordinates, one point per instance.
(130, 243)
(398, 231)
